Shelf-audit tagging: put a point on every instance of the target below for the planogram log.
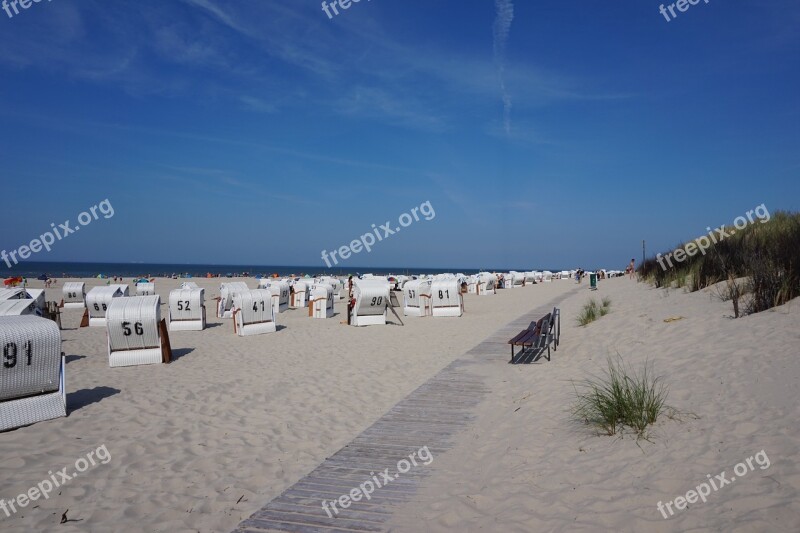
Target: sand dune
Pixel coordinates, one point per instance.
(525, 466)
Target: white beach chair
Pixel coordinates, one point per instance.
(123, 287)
(321, 303)
(74, 295)
(225, 301)
(145, 288)
(17, 294)
(32, 374)
(299, 295)
(187, 310)
(547, 276)
(19, 308)
(189, 285)
(446, 298)
(472, 284)
(371, 301)
(14, 293)
(97, 302)
(530, 278)
(37, 295)
(280, 294)
(417, 298)
(487, 284)
(136, 333)
(253, 313)
(512, 280)
(339, 287)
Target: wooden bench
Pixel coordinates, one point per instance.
(540, 334)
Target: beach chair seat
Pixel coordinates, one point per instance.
(32, 374)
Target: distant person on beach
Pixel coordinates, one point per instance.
(631, 270)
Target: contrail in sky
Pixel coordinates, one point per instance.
(500, 30)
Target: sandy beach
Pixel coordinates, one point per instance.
(202, 443)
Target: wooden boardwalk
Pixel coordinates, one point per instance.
(432, 416)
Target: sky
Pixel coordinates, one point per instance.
(263, 132)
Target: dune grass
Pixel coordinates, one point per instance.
(766, 255)
(592, 311)
(620, 398)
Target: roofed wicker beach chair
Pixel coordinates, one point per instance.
(370, 302)
(32, 376)
(97, 302)
(74, 295)
(417, 298)
(187, 309)
(321, 303)
(254, 313)
(446, 298)
(225, 299)
(136, 333)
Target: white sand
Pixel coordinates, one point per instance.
(234, 417)
(533, 469)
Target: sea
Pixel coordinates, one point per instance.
(34, 269)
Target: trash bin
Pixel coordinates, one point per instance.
(593, 281)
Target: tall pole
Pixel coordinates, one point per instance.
(643, 254)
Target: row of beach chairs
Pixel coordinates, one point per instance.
(33, 377)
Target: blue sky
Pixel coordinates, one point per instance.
(262, 132)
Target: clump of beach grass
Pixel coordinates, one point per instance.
(619, 398)
(592, 310)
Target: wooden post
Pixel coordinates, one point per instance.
(166, 349)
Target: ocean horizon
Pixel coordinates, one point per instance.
(63, 269)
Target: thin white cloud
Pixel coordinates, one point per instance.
(256, 104)
(500, 30)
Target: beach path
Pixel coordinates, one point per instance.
(431, 416)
